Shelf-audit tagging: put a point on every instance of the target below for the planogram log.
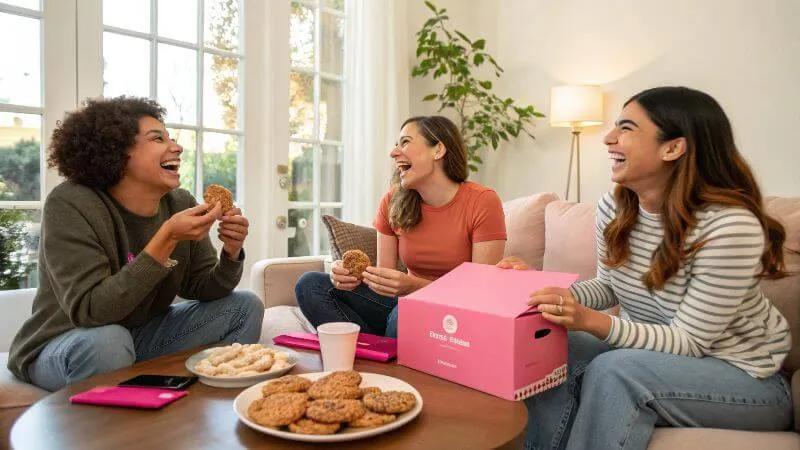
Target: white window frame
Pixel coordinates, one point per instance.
(316, 205)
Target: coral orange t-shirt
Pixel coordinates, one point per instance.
(444, 236)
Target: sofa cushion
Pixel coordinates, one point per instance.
(569, 230)
(525, 227)
(344, 236)
(712, 438)
(283, 319)
(15, 393)
(785, 292)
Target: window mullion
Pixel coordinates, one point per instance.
(154, 49)
(198, 154)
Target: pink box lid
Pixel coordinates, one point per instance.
(475, 286)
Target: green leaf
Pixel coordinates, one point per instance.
(477, 59)
(430, 6)
(485, 84)
(495, 141)
(480, 44)
(477, 159)
(472, 167)
(429, 97)
(461, 35)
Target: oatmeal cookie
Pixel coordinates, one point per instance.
(278, 409)
(390, 402)
(286, 383)
(370, 390)
(355, 261)
(308, 426)
(216, 193)
(346, 377)
(335, 410)
(372, 419)
(332, 389)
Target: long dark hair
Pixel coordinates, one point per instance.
(405, 206)
(712, 171)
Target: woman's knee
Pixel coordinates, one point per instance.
(311, 283)
(250, 302)
(620, 368)
(103, 349)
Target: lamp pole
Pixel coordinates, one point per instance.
(575, 149)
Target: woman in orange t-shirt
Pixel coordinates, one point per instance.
(432, 219)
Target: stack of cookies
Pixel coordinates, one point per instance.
(325, 406)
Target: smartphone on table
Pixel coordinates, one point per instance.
(160, 381)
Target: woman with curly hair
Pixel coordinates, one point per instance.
(683, 242)
(432, 219)
(119, 242)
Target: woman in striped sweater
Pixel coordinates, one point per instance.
(683, 242)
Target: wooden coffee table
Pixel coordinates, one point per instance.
(453, 416)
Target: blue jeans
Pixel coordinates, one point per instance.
(83, 352)
(613, 398)
(322, 303)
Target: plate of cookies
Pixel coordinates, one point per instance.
(328, 406)
(240, 365)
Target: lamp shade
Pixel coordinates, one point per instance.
(576, 106)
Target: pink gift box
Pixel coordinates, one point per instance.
(473, 327)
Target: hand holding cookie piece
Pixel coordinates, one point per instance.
(355, 261)
(216, 193)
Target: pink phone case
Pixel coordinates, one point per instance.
(130, 397)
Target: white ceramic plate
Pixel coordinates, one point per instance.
(386, 383)
(240, 382)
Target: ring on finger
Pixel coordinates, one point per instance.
(560, 300)
(560, 309)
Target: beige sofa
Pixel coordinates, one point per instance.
(551, 234)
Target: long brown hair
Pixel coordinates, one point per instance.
(405, 206)
(712, 171)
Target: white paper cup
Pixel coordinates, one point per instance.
(337, 342)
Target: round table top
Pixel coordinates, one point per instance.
(453, 416)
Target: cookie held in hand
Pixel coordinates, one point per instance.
(355, 261)
(216, 193)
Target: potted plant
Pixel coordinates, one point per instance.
(482, 116)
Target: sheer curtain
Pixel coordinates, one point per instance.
(376, 101)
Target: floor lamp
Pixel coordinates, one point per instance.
(576, 107)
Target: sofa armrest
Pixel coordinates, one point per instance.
(273, 279)
(796, 399)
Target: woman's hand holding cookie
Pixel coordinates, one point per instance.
(390, 282)
(232, 231)
(194, 223)
(341, 278)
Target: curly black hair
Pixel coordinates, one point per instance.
(90, 147)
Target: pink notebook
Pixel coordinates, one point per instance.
(368, 346)
(130, 397)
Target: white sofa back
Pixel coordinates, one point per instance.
(16, 307)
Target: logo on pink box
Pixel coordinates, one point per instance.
(474, 327)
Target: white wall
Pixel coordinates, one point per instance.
(746, 54)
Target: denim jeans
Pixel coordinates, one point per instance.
(322, 303)
(83, 352)
(613, 398)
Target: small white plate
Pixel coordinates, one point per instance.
(240, 382)
(386, 383)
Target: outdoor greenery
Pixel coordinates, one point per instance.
(19, 180)
(19, 171)
(14, 263)
(483, 117)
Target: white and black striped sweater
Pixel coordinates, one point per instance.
(713, 305)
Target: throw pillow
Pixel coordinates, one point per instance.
(344, 236)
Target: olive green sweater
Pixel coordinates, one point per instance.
(90, 277)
